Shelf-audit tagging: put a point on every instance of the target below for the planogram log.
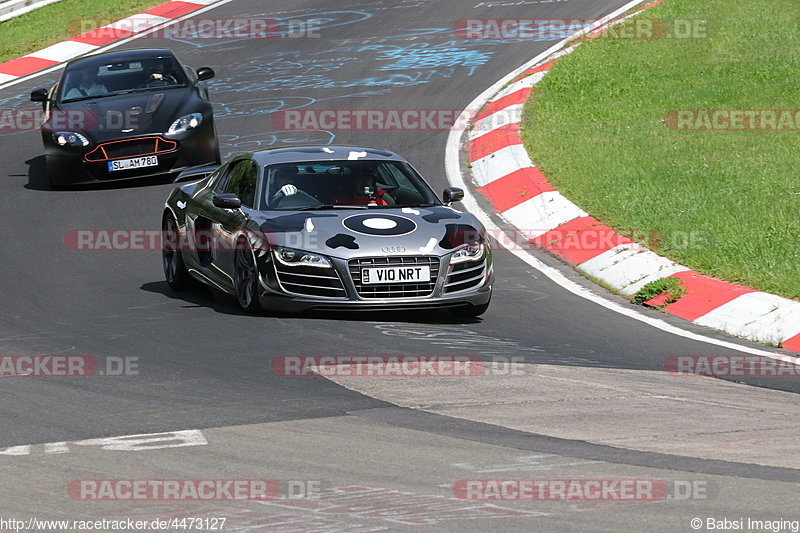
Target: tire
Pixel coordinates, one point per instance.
(469, 311)
(246, 279)
(178, 278)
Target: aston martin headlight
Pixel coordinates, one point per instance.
(292, 257)
(185, 123)
(70, 138)
(469, 252)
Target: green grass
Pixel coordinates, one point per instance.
(54, 23)
(595, 126)
(671, 286)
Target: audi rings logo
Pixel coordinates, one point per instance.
(393, 249)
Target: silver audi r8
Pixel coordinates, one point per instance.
(315, 227)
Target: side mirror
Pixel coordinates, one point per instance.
(452, 194)
(205, 73)
(227, 200)
(39, 95)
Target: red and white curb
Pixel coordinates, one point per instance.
(96, 39)
(502, 172)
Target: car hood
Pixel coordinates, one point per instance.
(130, 114)
(372, 232)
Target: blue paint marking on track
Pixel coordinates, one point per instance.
(271, 104)
(259, 141)
(395, 65)
(287, 26)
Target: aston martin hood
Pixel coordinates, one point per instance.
(130, 114)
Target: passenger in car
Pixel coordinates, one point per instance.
(87, 86)
(363, 190)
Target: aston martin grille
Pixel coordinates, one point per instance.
(131, 148)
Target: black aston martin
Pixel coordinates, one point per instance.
(336, 227)
(126, 114)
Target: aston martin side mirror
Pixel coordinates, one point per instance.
(39, 95)
(205, 73)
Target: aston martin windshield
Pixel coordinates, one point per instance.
(323, 185)
(97, 78)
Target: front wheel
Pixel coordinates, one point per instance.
(178, 278)
(246, 279)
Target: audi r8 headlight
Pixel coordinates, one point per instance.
(469, 252)
(292, 257)
(70, 138)
(185, 123)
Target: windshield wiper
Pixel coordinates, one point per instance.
(129, 91)
(147, 89)
(88, 98)
(330, 206)
(403, 206)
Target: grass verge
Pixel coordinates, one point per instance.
(725, 203)
(57, 22)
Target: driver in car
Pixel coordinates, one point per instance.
(88, 86)
(284, 183)
(365, 192)
(160, 75)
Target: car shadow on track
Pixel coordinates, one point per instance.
(226, 304)
(38, 180)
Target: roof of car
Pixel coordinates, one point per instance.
(126, 55)
(322, 153)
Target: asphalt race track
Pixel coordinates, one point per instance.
(203, 365)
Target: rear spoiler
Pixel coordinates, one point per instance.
(196, 172)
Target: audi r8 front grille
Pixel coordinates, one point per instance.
(463, 276)
(310, 281)
(130, 148)
(394, 290)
